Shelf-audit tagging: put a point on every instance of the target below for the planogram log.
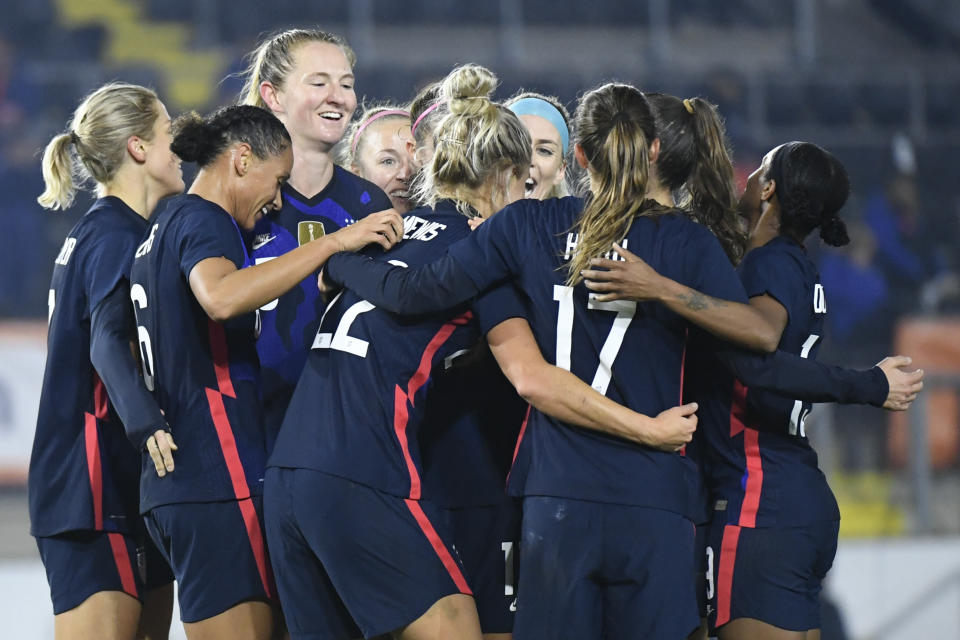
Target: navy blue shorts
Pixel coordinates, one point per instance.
(771, 574)
(82, 563)
(217, 553)
(593, 570)
(703, 569)
(349, 556)
(488, 540)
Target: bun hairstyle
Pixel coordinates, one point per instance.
(615, 127)
(811, 187)
(95, 143)
(695, 164)
(273, 59)
(474, 141)
(202, 140)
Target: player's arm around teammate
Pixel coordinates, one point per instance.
(83, 472)
(191, 261)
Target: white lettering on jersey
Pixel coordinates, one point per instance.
(819, 300)
(66, 251)
(147, 245)
(262, 239)
(574, 238)
(415, 228)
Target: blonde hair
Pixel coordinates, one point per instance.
(615, 127)
(561, 188)
(348, 149)
(98, 134)
(272, 60)
(474, 141)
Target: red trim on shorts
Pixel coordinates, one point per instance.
(100, 401)
(728, 559)
(238, 478)
(257, 545)
(400, 418)
(441, 549)
(124, 567)
(221, 358)
(94, 472)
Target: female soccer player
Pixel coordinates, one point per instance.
(694, 161)
(585, 475)
(305, 77)
(351, 528)
(378, 149)
(548, 122)
(83, 471)
(195, 306)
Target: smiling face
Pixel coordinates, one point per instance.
(259, 187)
(547, 165)
(384, 159)
(162, 164)
(317, 99)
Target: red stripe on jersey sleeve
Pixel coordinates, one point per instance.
(516, 449)
(100, 400)
(439, 547)
(94, 472)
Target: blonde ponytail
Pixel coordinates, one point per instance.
(58, 171)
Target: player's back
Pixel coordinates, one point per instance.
(760, 464)
(357, 409)
(631, 352)
(203, 373)
(77, 428)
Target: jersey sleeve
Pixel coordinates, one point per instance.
(107, 264)
(110, 329)
(473, 264)
(804, 379)
(208, 235)
(707, 268)
(497, 305)
(379, 201)
(767, 272)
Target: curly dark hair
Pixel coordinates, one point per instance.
(201, 140)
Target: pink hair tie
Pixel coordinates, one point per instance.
(413, 129)
(374, 118)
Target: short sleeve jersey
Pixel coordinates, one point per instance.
(83, 470)
(203, 373)
(290, 322)
(371, 376)
(761, 467)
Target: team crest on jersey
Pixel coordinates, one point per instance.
(309, 230)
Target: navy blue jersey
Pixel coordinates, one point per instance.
(632, 352)
(203, 373)
(762, 469)
(469, 432)
(83, 470)
(290, 322)
(358, 409)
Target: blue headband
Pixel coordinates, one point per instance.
(542, 108)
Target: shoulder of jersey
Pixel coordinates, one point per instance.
(356, 183)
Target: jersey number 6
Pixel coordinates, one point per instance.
(139, 296)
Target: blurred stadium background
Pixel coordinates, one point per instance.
(875, 81)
